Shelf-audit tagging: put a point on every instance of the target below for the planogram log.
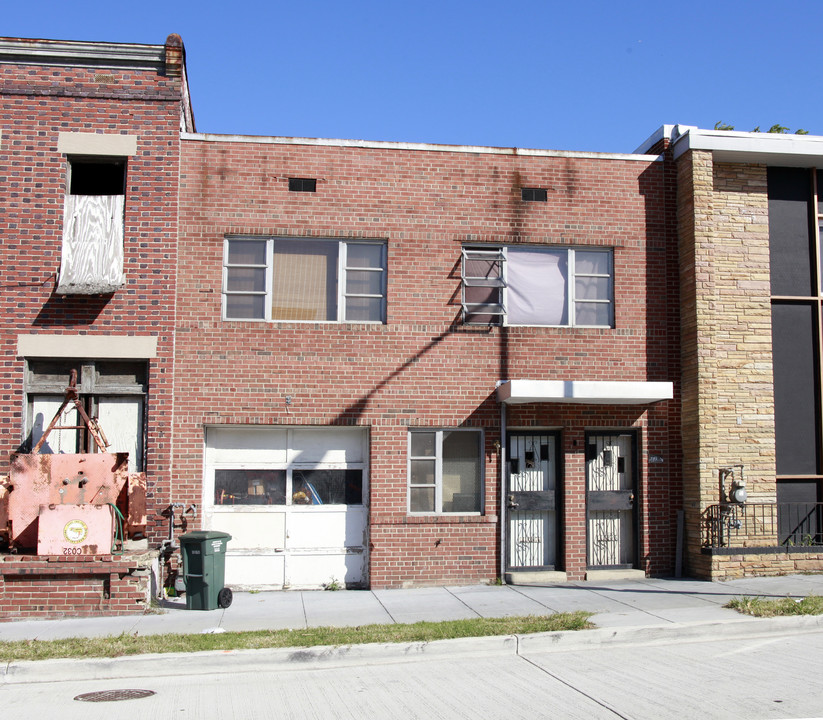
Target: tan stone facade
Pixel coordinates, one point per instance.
(728, 398)
(730, 567)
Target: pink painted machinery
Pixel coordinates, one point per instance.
(54, 503)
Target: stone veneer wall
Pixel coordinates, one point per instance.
(728, 400)
(729, 567)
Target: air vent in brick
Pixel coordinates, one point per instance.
(302, 185)
(533, 194)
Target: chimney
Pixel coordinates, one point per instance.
(175, 55)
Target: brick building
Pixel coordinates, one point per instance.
(91, 152)
(392, 364)
(425, 357)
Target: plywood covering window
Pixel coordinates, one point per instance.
(91, 260)
(304, 280)
(113, 391)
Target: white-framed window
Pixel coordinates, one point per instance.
(304, 280)
(445, 471)
(530, 285)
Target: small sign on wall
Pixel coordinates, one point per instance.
(655, 459)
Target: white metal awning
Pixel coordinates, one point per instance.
(596, 392)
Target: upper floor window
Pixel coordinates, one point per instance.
(289, 279)
(97, 176)
(91, 259)
(528, 285)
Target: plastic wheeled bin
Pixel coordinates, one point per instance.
(204, 569)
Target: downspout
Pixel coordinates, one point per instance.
(502, 513)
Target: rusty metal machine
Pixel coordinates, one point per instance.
(70, 504)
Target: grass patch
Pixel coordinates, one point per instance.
(125, 644)
(761, 607)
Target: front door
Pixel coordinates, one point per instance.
(611, 489)
(531, 501)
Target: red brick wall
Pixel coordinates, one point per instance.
(37, 103)
(53, 587)
(422, 368)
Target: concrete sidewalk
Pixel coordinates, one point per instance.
(620, 604)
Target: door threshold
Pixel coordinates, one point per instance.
(617, 574)
(534, 577)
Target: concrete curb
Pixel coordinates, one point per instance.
(664, 634)
(248, 661)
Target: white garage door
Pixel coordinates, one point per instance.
(294, 501)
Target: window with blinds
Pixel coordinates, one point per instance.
(304, 280)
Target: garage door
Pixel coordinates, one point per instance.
(294, 501)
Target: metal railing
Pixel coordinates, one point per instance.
(762, 525)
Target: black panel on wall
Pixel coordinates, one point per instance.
(790, 249)
(798, 516)
(794, 339)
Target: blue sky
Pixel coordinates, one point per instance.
(586, 75)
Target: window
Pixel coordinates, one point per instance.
(445, 471)
(97, 176)
(266, 486)
(91, 261)
(288, 279)
(530, 285)
(250, 487)
(112, 391)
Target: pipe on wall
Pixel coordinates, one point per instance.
(502, 512)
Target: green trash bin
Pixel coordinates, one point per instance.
(204, 569)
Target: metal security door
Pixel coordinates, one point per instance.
(611, 487)
(531, 501)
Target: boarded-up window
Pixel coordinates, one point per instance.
(91, 261)
(112, 391)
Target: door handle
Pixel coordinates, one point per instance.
(512, 504)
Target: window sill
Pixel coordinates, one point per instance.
(327, 507)
(546, 327)
(335, 323)
(450, 519)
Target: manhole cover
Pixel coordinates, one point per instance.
(114, 695)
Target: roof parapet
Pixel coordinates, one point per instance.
(760, 148)
(25, 51)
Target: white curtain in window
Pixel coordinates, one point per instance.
(537, 286)
(304, 282)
